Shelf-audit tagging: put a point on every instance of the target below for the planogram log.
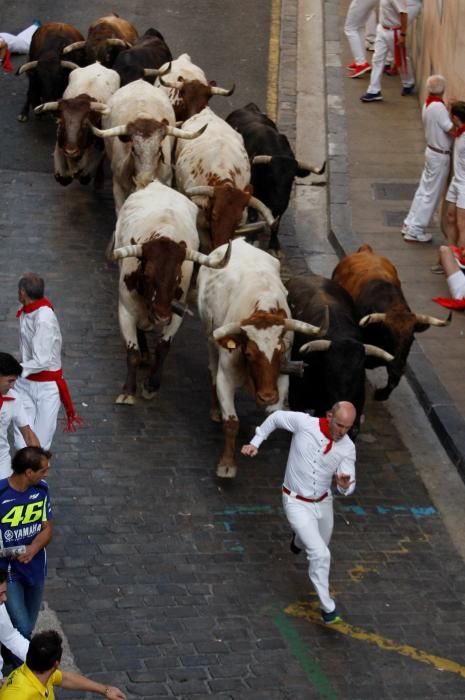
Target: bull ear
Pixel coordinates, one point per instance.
(132, 280)
(230, 342)
(303, 172)
(212, 83)
(421, 327)
(248, 189)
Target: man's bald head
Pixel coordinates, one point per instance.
(341, 418)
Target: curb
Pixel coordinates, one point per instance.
(440, 409)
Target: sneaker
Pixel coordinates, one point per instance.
(331, 618)
(351, 66)
(391, 70)
(360, 70)
(293, 547)
(405, 230)
(371, 97)
(408, 90)
(411, 237)
(370, 45)
(437, 269)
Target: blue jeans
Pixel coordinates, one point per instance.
(23, 607)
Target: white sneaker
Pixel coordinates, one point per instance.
(405, 229)
(418, 237)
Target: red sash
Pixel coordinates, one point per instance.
(400, 54)
(33, 306)
(5, 398)
(324, 427)
(72, 419)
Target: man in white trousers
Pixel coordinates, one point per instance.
(439, 130)
(11, 43)
(391, 36)
(41, 386)
(357, 17)
(320, 449)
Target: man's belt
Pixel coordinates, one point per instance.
(439, 150)
(304, 498)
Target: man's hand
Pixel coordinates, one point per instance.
(28, 555)
(114, 694)
(343, 481)
(249, 450)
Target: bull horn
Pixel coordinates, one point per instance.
(291, 324)
(263, 209)
(293, 367)
(69, 64)
(128, 251)
(201, 191)
(315, 346)
(372, 318)
(114, 131)
(246, 229)
(27, 66)
(432, 321)
(151, 72)
(375, 351)
(207, 260)
(222, 91)
(74, 46)
(261, 160)
(312, 168)
(176, 85)
(46, 107)
(100, 107)
(228, 329)
(183, 133)
(113, 41)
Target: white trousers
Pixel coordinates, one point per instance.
(21, 42)
(354, 28)
(41, 402)
(413, 9)
(432, 184)
(312, 524)
(383, 45)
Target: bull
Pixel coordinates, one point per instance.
(46, 70)
(180, 70)
(250, 330)
(334, 368)
(156, 242)
(214, 169)
(193, 95)
(106, 37)
(150, 51)
(274, 165)
(78, 152)
(382, 310)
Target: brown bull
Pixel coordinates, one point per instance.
(107, 36)
(382, 310)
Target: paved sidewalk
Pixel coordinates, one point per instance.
(376, 157)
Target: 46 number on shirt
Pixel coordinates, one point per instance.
(23, 515)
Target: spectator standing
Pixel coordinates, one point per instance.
(391, 36)
(438, 134)
(11, 411)
(26, 519)
(320, 449)
(455, 197)
(42, 385)
(358, 14)
(38, 677)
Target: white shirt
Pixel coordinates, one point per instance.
(459, 160)
(39, 341)
(10, 411)
(11, 638)
(389, 11)
(309, 472)
(437, 123)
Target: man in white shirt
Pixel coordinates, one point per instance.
(355, 29)
(391, 36)
(438, 134)
(455, 196)
(320, 449)
(9, 635)
(11, 411)
(42, 386)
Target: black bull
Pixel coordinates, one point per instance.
(335, 364)
(149, 51)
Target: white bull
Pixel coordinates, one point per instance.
(156, 241)
(180, 70)
(250, 332)
(78, 153)
(215, 169)
(142, 118)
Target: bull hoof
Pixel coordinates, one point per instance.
(226, 471)
(148, 395)
(215, 415)
(126, 400)
(22, 117)
(62, 180)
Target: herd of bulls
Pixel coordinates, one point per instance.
(184, 183)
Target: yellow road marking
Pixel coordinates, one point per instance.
(273, 60)
(305, 610)
(356, 573)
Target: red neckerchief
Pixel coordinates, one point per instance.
(5, 398)
(29, 308)
(459, 131)
(324, 427)
(433, 98)
(7, 64)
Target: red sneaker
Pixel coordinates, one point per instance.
(360, 70)
(351, 66)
